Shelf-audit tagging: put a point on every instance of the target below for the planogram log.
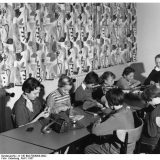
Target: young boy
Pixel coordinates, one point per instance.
(120, 118)
(83, 94)
(107, 82)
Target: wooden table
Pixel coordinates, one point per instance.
(12, 146)
(52, 140)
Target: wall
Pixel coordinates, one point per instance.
(148, 35)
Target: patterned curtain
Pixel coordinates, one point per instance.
(44, 40)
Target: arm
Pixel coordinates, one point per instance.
(21, 117)
(105, 128)
(89, 101)
(158, 121)
(135, 83)
(78, 98)
(124, 84)
(88, 104)
(56, 108)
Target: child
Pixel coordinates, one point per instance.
(154, 76)
(127, 81)
(120, 118)
(152, 117)
(59, 100)
(106, 81)
(83, 94)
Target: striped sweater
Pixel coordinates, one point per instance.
(58, 100)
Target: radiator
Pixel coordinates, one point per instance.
(79, 78)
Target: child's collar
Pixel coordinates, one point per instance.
(157, 69)
(83, 86)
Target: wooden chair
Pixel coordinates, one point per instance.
(147, 145)
(131, 136)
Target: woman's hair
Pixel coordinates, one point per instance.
(157, 56)
(91, 78)
(64, 80)
(127, 71)
(31, 84)
(115, 97)
(105, 76)
(151, 92)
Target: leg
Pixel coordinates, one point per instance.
(95, 149)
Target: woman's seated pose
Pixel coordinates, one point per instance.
(152, 118)
(59, 100)
(127, 80)
(120, 118)
(28, 109)
(154, 76)
(106, 82)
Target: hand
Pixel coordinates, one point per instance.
(106, 104)
(152, 82)
(97, 122)
(59, 109)
(132, 86)
(155, 101)
(47, 109)
(44, 114)
(128, 83)
(99, 105)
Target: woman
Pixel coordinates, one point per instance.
(152, 119)
(154, 76)
(27, 109)
(59, 100)
(127, 80)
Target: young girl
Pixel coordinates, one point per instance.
(106, 82)
(154, 76)
(127, 80)
(59, 100)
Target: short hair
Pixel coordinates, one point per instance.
(127, 71)
(115, 97)
(31, 84)
(64, 80)
(91, 78)
(151, 92)
(157, 56)
(105, 76)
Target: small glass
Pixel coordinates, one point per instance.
(71, 112)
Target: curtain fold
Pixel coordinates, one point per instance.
(44, 40)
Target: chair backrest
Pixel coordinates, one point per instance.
(132, 135)
(13, 118)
